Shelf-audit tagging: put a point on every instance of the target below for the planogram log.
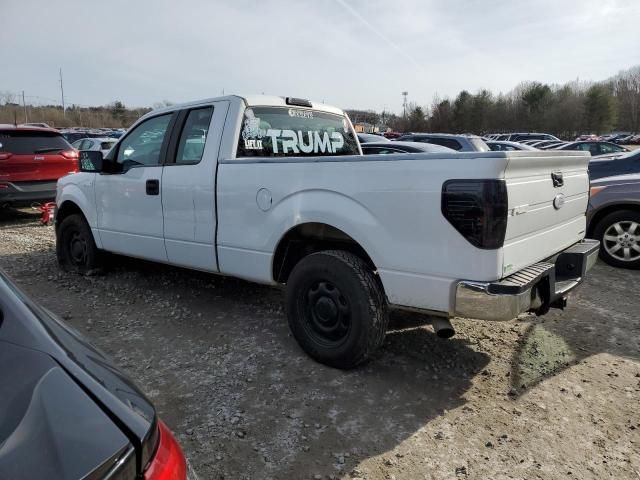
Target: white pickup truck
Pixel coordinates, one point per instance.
(276, 191)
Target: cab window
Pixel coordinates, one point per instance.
(194, 136)
(143, 146)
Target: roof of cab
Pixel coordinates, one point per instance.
(250, 101)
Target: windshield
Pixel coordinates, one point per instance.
(294, 132)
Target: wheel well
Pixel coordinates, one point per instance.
(600, 214)
(309, 238)
(67, 208)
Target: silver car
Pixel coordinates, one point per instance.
(613, 218)
(103, 144)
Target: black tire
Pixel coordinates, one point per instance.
(616, 242)
(336, 308)
(75, 248)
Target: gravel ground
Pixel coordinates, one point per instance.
(536, 398)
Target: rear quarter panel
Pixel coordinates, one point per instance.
(390, 204)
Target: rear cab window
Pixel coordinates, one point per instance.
(29, 142)
(294, 132)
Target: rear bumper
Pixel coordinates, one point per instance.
(16, 193)
(535, 288)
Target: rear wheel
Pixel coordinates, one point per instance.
(75, 248)
(619, 235)
(336, 308)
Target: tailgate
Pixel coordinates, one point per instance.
(548, 196)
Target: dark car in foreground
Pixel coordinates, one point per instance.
(383, 148)
(66, 412)
(31, 161)
(613, 218)
(611, 165)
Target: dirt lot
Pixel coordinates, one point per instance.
(530, 399)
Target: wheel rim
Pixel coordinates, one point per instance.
(327, 314)
(621, 241)
(78, 249)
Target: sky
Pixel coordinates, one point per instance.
(348, 53)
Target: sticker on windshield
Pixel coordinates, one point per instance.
(294, 112)
(251, 132)
(310, 141)
(277, 131)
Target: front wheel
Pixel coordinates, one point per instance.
(336, 308)
(75, 248)
(619, 235)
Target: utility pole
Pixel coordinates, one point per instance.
(24, 105)
(404, 104)
(64, 111)
(404, 108)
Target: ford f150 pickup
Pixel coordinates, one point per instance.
(276, 190)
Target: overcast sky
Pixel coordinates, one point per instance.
(350, 53)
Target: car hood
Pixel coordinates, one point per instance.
(28, 325)
(48, 422)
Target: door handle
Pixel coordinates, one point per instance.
(153, 187)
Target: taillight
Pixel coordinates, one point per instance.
(478, 210)
(5, 155)
(168, 463)
(70, 154)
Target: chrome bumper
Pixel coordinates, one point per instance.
(536, 288)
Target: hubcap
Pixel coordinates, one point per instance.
(327, 314)
(78, 249)
(621, 241)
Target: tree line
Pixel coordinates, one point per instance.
(113, 115)
(564, 110)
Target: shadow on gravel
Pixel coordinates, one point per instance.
(215, 356)
(18, 215)
(602, 317)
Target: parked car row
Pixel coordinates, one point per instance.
(74, 134)
(619, 138)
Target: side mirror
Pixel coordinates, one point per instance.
(91, 161)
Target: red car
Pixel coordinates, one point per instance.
(31, 161)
